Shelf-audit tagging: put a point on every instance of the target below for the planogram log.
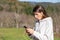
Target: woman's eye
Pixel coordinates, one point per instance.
(36, 14)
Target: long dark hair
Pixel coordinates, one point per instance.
(40, 8)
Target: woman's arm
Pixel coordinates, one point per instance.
(46, 31)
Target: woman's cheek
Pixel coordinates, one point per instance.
(35, 16)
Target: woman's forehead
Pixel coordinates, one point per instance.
(36, 13)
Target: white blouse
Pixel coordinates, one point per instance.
(43, 30)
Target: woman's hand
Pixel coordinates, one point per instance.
(29, 31)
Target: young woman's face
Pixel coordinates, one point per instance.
(38, 15)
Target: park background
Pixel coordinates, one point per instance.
(14, 14)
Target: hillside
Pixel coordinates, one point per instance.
(16, 14)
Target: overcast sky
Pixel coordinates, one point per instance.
(54, 1)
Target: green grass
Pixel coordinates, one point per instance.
(57, 38)
(14, 34)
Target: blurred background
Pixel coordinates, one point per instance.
(14, 14)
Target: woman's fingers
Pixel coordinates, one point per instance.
(29, 30)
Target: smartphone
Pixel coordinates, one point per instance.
(25, 27)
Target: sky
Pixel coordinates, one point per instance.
(53, 1)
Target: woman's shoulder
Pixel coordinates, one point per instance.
(47, 19)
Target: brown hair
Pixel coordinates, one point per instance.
(40, 8)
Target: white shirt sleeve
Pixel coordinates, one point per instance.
(46, 31)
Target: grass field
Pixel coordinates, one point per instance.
(14, 34)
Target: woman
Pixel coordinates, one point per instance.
(43, 29)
